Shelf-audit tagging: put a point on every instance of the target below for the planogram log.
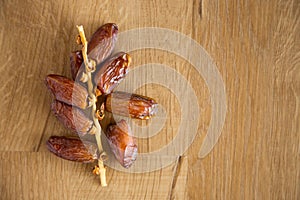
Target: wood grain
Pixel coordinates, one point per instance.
(256, 47)
(30, 175)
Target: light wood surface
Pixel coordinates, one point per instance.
(255, 46)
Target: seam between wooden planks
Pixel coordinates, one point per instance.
(43, 133)
(175, 176)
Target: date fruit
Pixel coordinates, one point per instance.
(133, 105)
(112, 72)
(76, 60)
(102, 42)
(99, 48)
(122, 143)
(72, 149)
(67, 91)
(71, 117)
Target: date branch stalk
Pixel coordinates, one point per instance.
(90, 67)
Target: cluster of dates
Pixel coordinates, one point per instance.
(72, 101)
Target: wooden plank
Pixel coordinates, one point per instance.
(41, 175)
(29, 53)
(29, 175)
(256, 48)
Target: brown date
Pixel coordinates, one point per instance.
(112, 72)
(102, 42)
(133, 105)
(99, 48)
(71, 117)
(67, 91)
(76, 60)
(122, 143)
(72, 149)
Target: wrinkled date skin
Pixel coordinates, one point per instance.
(99, 48)
(112, 72)
(131, 105)
(76, 61)
(72, 149)
(67, 91)
(102, 42)
(122, 143)
(71, 117)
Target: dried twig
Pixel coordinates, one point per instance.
(90, 67)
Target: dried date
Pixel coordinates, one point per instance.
(102, 42)
(132, 105)
(122, 143)
(76, 60)
(72, 149)
(71, 117)
(112, 72)
(67, 91)
(99, 48)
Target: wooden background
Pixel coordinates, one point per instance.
(255, 45)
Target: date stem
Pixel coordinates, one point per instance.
(90, 67)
